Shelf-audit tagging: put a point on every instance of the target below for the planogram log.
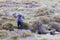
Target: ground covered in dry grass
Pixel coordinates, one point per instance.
(48, 12)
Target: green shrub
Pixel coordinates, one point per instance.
(44, 19)
(57, 18)
(26, 34)
(7, 26)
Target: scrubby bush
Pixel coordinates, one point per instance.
(54, 25)
(26, 34)
(4, 18)
(14, 37)
(25, 25)
(57, 18)
(45, 11)
(40, 12)
(11, 19)
(44, 19)
(8, 18)
(1, 22)
(7, 26)
(3, 34)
